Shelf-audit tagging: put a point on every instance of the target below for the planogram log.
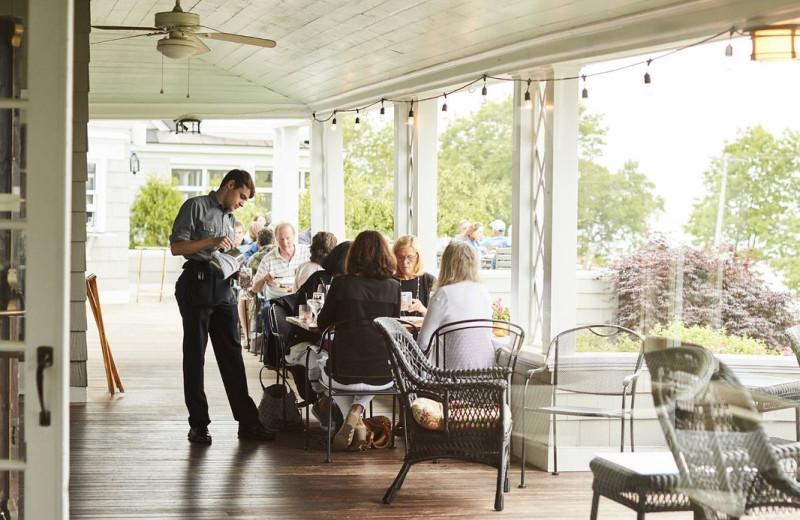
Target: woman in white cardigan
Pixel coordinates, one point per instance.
(459, 295)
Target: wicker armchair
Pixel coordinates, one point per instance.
(476, 421)
(727, 466)
(575, 374)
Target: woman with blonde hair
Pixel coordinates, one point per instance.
(412, 276)
(460, 296)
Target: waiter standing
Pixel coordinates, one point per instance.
(208, 306)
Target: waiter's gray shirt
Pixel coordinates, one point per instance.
(202, 217)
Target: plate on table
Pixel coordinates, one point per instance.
(284, 284)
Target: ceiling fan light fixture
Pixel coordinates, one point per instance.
(176, 48)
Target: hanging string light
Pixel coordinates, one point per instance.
(358, 121)
(648, 82)
(729, 48)
(527, 104)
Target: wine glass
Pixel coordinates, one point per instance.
(315, 305)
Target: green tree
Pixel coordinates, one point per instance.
(475, 168)
(153, 210)
(613, 208)
(368, 177)
(761, 214)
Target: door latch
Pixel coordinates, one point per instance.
(44, 359)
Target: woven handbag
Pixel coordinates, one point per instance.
(278, 408)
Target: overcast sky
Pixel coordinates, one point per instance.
(696, 105)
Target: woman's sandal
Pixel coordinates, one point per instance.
(359, 437)
(344, 436)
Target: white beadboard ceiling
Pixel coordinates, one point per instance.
(337, 53)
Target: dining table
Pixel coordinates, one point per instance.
(411, 323)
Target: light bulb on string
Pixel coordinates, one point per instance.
(410, 120)
(648, 81)
(484, 92)
(383, 110)
(527, 104)
(333, 123)
(585, 91)
(357, 126)
(727, 63)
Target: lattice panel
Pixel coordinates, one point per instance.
(539, 193)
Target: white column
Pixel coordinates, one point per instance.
(424, 179)
(327, 180)
(286, 165)
(564, 218)
(403, 157)
(523, 217)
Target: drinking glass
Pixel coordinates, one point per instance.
(315, 305)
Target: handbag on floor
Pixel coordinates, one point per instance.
(278, 407)
(379, 432)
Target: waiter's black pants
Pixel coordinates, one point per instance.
(208, 309)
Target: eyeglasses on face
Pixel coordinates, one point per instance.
(407, 258)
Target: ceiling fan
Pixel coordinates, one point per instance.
(183, 34)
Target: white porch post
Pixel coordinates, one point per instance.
(286, 166)
(564, 217)
(424, 179)
(545, 208)
(327, 180)
(403, 157)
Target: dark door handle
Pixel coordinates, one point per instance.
(44, 359)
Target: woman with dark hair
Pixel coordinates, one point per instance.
(367, 291)
(321, 245)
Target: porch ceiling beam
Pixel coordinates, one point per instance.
(209, 110)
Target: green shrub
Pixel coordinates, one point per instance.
(715, 340)
(588, 341)
(152, 213)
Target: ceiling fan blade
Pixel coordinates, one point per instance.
(129, 37)
(199, 46)
(238, 38)
(124, 28)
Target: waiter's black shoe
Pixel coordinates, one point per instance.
(257, 432)
(200, 435)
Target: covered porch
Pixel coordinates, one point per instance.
(129, 456)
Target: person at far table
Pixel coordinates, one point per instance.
(411, 274)
(367, 291)
(321, 245)
(279, 263)
(460, 296)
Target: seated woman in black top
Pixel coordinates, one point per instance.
(367, 291)
(412, 276)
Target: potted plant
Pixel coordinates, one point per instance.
(500, 313)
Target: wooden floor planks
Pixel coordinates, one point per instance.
(130, 458)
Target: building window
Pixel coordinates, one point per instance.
(91, 196)
(188, 181)
(95, 196)
(303, 180)
(263, 198)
